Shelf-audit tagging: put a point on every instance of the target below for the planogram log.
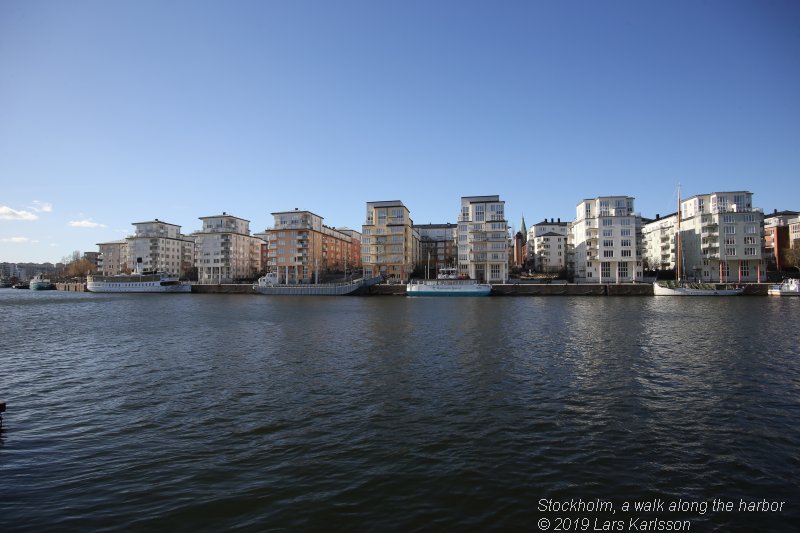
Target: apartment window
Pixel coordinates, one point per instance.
(608, 222)
(749, 240)
(608, 233)
(626, 242)
(730, 230)
(750, 229)
(622, 270)
(730, 251)
(608, 253)
(605, 269)
(626, 253)
(626, 222)
(625, 232)
(730, 241)
(750, 251)
(608, 244)
(744, 269)
(479, 213)
(749, 217)
(727, 219)
(495, 271)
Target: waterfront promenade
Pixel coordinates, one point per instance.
(499, 289)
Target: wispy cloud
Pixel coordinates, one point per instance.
(88, 223)
(17, 239)
(42, 207)
(6, 213)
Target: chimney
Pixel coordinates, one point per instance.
(551, 220)
(559, 220)
(658, 216)
(776, 211)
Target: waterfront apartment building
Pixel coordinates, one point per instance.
(721, 237)
(437, 247)
(225, 251)
(159, 246)
(548, 245)
(389, 242)
(483, 240)
(113, 258)
(300, 247)
(659, 240)
(777, 239)
(794, 233)
(608, 240)
(354, 250)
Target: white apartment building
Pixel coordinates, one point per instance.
(225, 251)
(658, 240)
(389, 242)
(113, 258)
(483, 240)
(721, 237)
(547, 245)
(607, 239)
(159, 246)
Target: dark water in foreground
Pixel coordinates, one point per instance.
(211, 412)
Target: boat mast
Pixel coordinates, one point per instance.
(678, 238)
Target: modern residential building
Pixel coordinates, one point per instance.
(721, 237)
(608, 240)
(354, 249)
(547, 245)
(777, 239)
(301, 247)
(159, 246)
(389, 242)
(659, 241)
(113, 258)
(225, 251)
(794, 233)
(483, 240)
(437, 246)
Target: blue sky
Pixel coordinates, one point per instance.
(126, 111)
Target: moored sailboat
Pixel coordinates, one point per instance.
(680, 287)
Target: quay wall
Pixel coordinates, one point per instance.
(564, 289)
(224, 288)
(507, 289)
(72, 287)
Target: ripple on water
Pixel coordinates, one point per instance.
(384, 413)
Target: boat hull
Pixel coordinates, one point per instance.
(321, 289)
(146, 286)
(41, 286)
(447, 288)
(661, 290)
(787, 288)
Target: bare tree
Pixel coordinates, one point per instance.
(792, 255)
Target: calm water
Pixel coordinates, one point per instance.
(187, 412)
